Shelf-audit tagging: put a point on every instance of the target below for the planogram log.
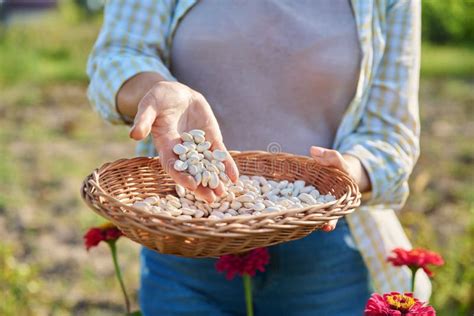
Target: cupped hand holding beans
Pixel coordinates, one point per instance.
(166, 111)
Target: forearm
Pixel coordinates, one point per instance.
(133, 91)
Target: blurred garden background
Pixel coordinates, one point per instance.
(50, 139)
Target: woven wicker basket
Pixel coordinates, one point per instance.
(110, 189)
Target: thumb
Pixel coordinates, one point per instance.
(328, 158)
(317, 152)
(144, 119)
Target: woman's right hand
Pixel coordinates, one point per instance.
(167, 110)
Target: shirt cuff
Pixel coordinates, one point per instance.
(110, 75)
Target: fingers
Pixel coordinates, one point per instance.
(231, 170)
(205, 194)
(330, 226)
(182, 178)
(220, 190)
(230, 166)
(144, 119)
(329, 158)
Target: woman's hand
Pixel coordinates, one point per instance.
(167, 110)
(348, 164)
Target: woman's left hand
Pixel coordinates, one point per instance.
(348, 164)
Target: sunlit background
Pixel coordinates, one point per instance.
(50, 139)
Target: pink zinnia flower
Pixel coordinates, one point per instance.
(396, 304)
(105, 232)
(246, 263)
(416, 258)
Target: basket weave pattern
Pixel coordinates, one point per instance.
(110, 189)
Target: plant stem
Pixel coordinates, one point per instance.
(118, 273)
(413, 273)
(248, 293)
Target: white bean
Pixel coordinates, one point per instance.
(307, 189)
(199, 139)
(218, 214)
(156, 209)
(206, 176)
(232, 212)
(307, 198)
(249, 205)
(214, 180)
(184, 217)
(174, 203)
(152, 200)
(195, 132)
(180, 165)
(180, 149)
(203, 146)
(245, 198)
(219, 155)
(208, 155)
(193, 170)
(230, 196)
(198, 178)
(224, 206)
(271, 209)
(188, 211)
(173, 210)
(142, 206)
(235, 205)
(315, 194)
(199, 214)
(190, 145)
(259, 206)
(180, 190)
(186, 137)
(212, 168)
(219, 164)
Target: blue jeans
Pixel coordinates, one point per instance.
(321, 274)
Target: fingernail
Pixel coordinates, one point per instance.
(132, 129)
(328, 228)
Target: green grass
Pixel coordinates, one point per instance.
(50, 139)
(53, 49)
(19, 286)
(447, 61)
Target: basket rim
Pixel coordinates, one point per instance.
(351, 189)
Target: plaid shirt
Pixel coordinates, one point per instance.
(380, 126)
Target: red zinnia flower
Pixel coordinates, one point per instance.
(416, 258)
(105, 232)
(396, 304)
(246, 263)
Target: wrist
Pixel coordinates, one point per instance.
(133, 90)
(358, 172)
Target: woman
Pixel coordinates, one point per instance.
(336, 79)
